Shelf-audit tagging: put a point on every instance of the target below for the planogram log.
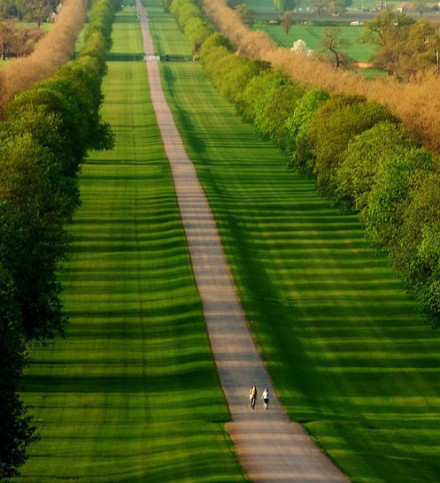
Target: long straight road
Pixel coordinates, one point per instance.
(270, 447)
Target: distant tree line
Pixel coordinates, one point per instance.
(45, 136)
(358, 151)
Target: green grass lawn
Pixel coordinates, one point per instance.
(266, 6)
(312, 35)
(131, 394)
(349, 354)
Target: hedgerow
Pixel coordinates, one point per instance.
(356, 148)
(44, 138)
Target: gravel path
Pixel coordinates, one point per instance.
(270, 447)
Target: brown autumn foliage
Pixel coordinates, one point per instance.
(52, 51)
(415, 103)
(17, 41)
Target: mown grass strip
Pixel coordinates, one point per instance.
(131, 394)
(347, 350)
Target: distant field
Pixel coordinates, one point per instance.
(312, 35)
(266, 6)
(131, 394)
(350, 356)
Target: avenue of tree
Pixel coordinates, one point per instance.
(45, 136)
(357, 150)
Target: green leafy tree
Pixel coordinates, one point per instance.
(250, 97)
(357, 173)
(197, 31)
(234, 72)
(389, 32)
(274, 107)
(418, 259)
(297, 127)
(344, 116)
(419, 52)
(33, 209)
(397, 179)
(284, 5)
(338, 6)
(16, 428)
(286, 21)
(38, 10)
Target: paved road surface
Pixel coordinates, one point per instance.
(270, 447)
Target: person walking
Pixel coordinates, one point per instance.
(253, 396)
(265, 398)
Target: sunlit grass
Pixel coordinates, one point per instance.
(313, 34)
(131, 394)
(350, 356)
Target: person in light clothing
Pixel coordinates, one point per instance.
(265, 398)
(253, 396)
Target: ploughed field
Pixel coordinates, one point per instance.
(350, 356)
(131, 394)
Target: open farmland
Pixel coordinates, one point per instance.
(312, 35)
(131, 394)
(349, 355)
(266, 6)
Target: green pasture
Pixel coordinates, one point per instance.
(46, 26)
(312, 35)
(266, 6)
(131, 394)
(350, 356)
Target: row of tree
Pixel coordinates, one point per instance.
(357, 150)
(45, 136)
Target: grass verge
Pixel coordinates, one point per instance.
(131, 394)
(349, 355)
